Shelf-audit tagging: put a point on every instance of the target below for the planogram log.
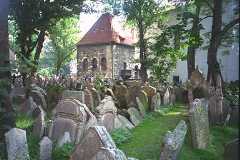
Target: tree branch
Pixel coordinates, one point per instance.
(229, 26)
(204, 18)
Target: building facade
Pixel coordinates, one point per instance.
(104, 51)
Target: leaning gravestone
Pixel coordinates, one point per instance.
(135, 116)
(150, 91)
(88, 99)
(46, 149)
(173, 142)
(65, 139)
(93, 145)
(122, 122)
(39, 125)
(96, 98)
(199, 123)
(38, 98)
(144, 99)
(16, 142)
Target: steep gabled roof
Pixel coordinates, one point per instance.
(103, 32)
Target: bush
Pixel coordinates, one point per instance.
(231, 92)
(64, 152)
(23, 121)
(121, 135)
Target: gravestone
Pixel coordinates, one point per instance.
(121, 94)
(144, 99)
(106, 113)
(135, 116)
(199, 123)
(141, 107)
(173, 142)
(96, 138)
(166, 97)
(172, 96)
(39, 125)
(38, 98)
(69, 94)
(156, 101)
(88, 99)
(150, 91)
(16, 142)
(231, 150)
(122, 122)
(133, 91)
(109, 154)
(96, 98)
(65, 139)
(46, 149)
(73, 117)
(28, 106)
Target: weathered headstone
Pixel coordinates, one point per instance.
(69, 94)
(88, 99)
(173, 142)
(144, 99)
(121, 94)
(96, 98)
(65, 139)
(39, 125)
(135, 116)
(96, 138)
(156, 101)
(141, 107)
(38, 98)
(199, 123)
(109, 154)
(45, 149)
(122, 122)
(16, 142)
(106, 113)
(166, 97)
(150, 91)
(73, 117)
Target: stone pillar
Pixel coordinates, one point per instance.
(199, 123)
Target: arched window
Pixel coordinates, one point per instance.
(94, 64)
(103, 64)
(85, 64)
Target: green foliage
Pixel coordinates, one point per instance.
(60, 50)
(33, 147)
(99, 83)
(54, 93)
(231, 92)
(121, 135)
(23, 121)
(63, 153)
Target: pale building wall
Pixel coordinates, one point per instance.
(229, 63)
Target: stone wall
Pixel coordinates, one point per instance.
(115, 55)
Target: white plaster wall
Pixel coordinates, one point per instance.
(229, 63)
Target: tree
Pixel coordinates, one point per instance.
(61, 47)
(143, 14)
(6, 110)
(34, 18)
(217, 34)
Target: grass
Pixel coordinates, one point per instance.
(145, 142)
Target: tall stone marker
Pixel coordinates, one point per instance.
(16, 142)
(173, 142)
(199, 123)
(45, 149)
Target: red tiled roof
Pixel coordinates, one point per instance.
(103, 32)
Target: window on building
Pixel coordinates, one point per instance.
(176, 80)
(103, 64)
(94, 64)
(85, 64)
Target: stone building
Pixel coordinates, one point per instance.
(105, 51)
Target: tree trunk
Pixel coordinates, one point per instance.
(142, 46)
(213, 65)
(216, 97)
(6, 110)
(195, 32)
